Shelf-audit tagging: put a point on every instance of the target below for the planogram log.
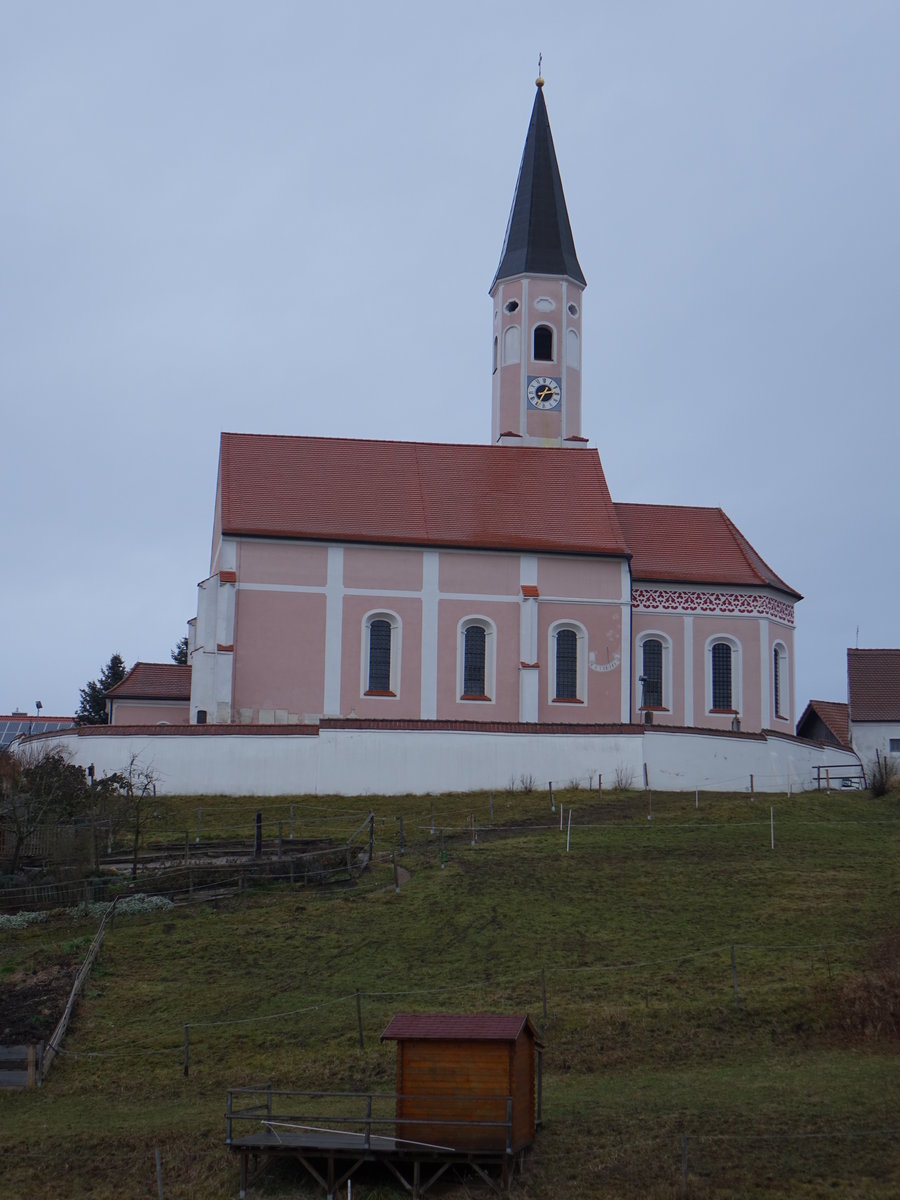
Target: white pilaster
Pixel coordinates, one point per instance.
(430, 599)
(529, 677)
(689, 670)
(334, 629)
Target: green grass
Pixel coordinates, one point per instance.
(631, 933)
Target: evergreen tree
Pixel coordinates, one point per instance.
(180, 654)
(92, 709)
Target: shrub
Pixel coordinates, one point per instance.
(883, 775)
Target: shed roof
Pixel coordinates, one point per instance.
(154, 681)
(417, 493)
(873, 685)
(671, 542)
(834, 715)
(489, 1027)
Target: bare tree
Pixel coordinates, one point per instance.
(39, 787)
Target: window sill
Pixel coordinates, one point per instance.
(566, 700)
(466, 696)
(379, 693)
(654, 708)
(724, 712)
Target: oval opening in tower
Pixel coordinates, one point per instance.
(510, 306)
(573, 310)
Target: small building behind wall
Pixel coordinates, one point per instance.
(873, 694)
(466, 1082)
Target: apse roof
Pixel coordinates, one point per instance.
(692, 545)
(417, 493)
(154, 681)
(538, 235)
(873, 685)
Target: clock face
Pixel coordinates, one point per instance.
(543, 392)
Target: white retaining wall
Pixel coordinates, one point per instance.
(362, 761)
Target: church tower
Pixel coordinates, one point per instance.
(536, 293)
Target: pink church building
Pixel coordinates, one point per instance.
(496, 583)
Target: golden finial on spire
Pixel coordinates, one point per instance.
(540, 79)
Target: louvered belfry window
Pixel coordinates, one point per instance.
(651, 670)
(567, 665)
(721, 676)
(380, 656)
(474, 661)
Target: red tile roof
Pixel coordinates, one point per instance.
(154, 681)
(873, 685)
(493, 1027)
(669, 542)
(417, 493)
(834, 715)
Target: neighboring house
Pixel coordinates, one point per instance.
(873, 693)
(487, 583)
(20, 724)
(151, 694)
(826, 721)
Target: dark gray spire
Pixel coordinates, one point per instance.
(539, 237)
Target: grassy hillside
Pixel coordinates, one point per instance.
(788, 1086)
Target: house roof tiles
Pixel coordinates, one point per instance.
(154, 681)
(834, 716)
(873, 685)
(417, 493)
(672, 543)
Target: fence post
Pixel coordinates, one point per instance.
(371, 836)
(552, 797)
(396, 874)
(257, 839)
(569, 832)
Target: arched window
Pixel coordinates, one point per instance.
(381, 654)
(543, 343)
(652, 674)
(566, 665)
(722, 695)
(780, 680)
(476, 663)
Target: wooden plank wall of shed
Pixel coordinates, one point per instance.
(433, 1069)
(522, 1091)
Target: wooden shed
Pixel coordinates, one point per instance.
(466, 1082)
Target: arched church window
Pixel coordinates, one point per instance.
(381, 654)
(566, 665)
(721, 677)
(512, 341)
(573, 350)
(474, 661)
(779, 680)
(652, 674)
(543, 343)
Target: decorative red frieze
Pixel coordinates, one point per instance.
(742, 604)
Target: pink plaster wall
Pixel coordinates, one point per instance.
(289, 563)
(673, 627)
(603, 689)
(785, 635)
(504, 703)
(407, 702)
(279, 652)
(378, 567)
(580, 577)
(745, 631)
(479, 573)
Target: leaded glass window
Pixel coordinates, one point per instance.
(474, 661)
(380, 656)
(651, 670)
(721, 676)
(566, 665)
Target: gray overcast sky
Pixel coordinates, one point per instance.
(282, 217)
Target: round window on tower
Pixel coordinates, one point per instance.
(573, 310)
(511, 306)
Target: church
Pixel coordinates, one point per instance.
(412, 582)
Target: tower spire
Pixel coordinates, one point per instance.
(538, 235)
